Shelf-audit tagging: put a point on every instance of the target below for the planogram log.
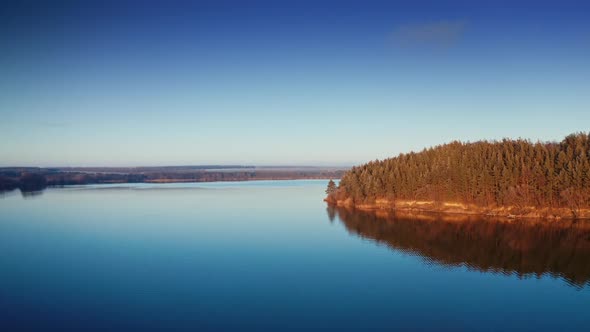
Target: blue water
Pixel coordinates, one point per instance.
(258, 255)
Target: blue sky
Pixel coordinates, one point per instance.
(277, 82)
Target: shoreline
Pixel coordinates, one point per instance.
(36, 179)
(156, 182)
(452, 208)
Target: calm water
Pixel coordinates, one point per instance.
(270, 255)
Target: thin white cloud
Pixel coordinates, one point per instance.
(440, 33)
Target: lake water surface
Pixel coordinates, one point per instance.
(269, 255)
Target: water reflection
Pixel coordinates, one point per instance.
(24, 193)
(523, 247)
(31, 193)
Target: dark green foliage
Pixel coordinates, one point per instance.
(7, 183)
(32, 182)
(499, 173)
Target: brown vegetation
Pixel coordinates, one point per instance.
(509, 177)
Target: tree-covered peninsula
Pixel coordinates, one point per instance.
(506, 178)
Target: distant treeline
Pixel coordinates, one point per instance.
(25, 181)
(31, 178)
(516, 173)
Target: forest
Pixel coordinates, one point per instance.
(519, 174)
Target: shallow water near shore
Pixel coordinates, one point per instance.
(270, 255)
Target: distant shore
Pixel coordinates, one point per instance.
(35, 179)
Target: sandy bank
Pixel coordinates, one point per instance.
(460, 208)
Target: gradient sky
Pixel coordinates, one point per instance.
(277, 82)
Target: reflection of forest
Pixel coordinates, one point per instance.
(524, 247)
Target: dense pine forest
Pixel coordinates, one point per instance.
(508, 173)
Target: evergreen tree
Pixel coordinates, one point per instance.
(331, 187)
(497, 173)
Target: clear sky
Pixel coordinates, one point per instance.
(283, 82)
